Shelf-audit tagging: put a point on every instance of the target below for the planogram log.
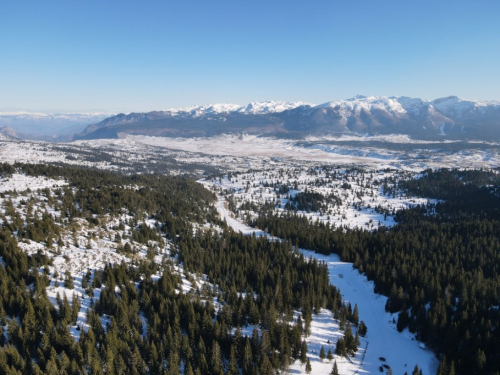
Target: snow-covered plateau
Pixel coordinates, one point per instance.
(218, 154)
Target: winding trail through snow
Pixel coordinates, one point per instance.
(401, 351)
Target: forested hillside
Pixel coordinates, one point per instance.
(183, 294)
(440, 265)
(103, 273)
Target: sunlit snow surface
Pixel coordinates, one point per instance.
(401, 351)
(21, 182)
(242, 152)
(363, 205)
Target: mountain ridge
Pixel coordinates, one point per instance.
(443, 118)
(449, 117)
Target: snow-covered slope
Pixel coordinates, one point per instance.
(395, 105)
(271, 107)
(451, 105)
(7, 132)
(455, 106)
(358, 103)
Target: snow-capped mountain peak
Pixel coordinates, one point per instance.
(271, 106)
(455, 106)
(355, 105)
(199, 110)
(373, 115)
(251, 108)
(448, 106)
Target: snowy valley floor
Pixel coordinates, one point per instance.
(232, 152)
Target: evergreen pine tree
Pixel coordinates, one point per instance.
(355, 315)
(362, 329)
(335, 369)
(342, 318)
(188, 370)
(480, 359)
(266, 368)
(233, 362)
(173, 363)
(329, 355)
(216, 358)
(202, 364)
(322, 353)
(303, 353)
(68, 281)
(247, 355)
(350, 343)
(299, 323)
(451, 371)
(340, 349)
(443, 367)
(308, 366)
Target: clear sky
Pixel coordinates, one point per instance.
(121, 55)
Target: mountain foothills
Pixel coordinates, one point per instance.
(444, 118)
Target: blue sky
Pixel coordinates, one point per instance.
(127, 56)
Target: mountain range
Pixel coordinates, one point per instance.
(444, 118)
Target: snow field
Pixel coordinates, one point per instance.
(21, 182)
(267, 156)
(325, 332)
(230, 152)
(363, 204)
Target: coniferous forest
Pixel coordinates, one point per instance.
(439, 266)
(142, 322)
